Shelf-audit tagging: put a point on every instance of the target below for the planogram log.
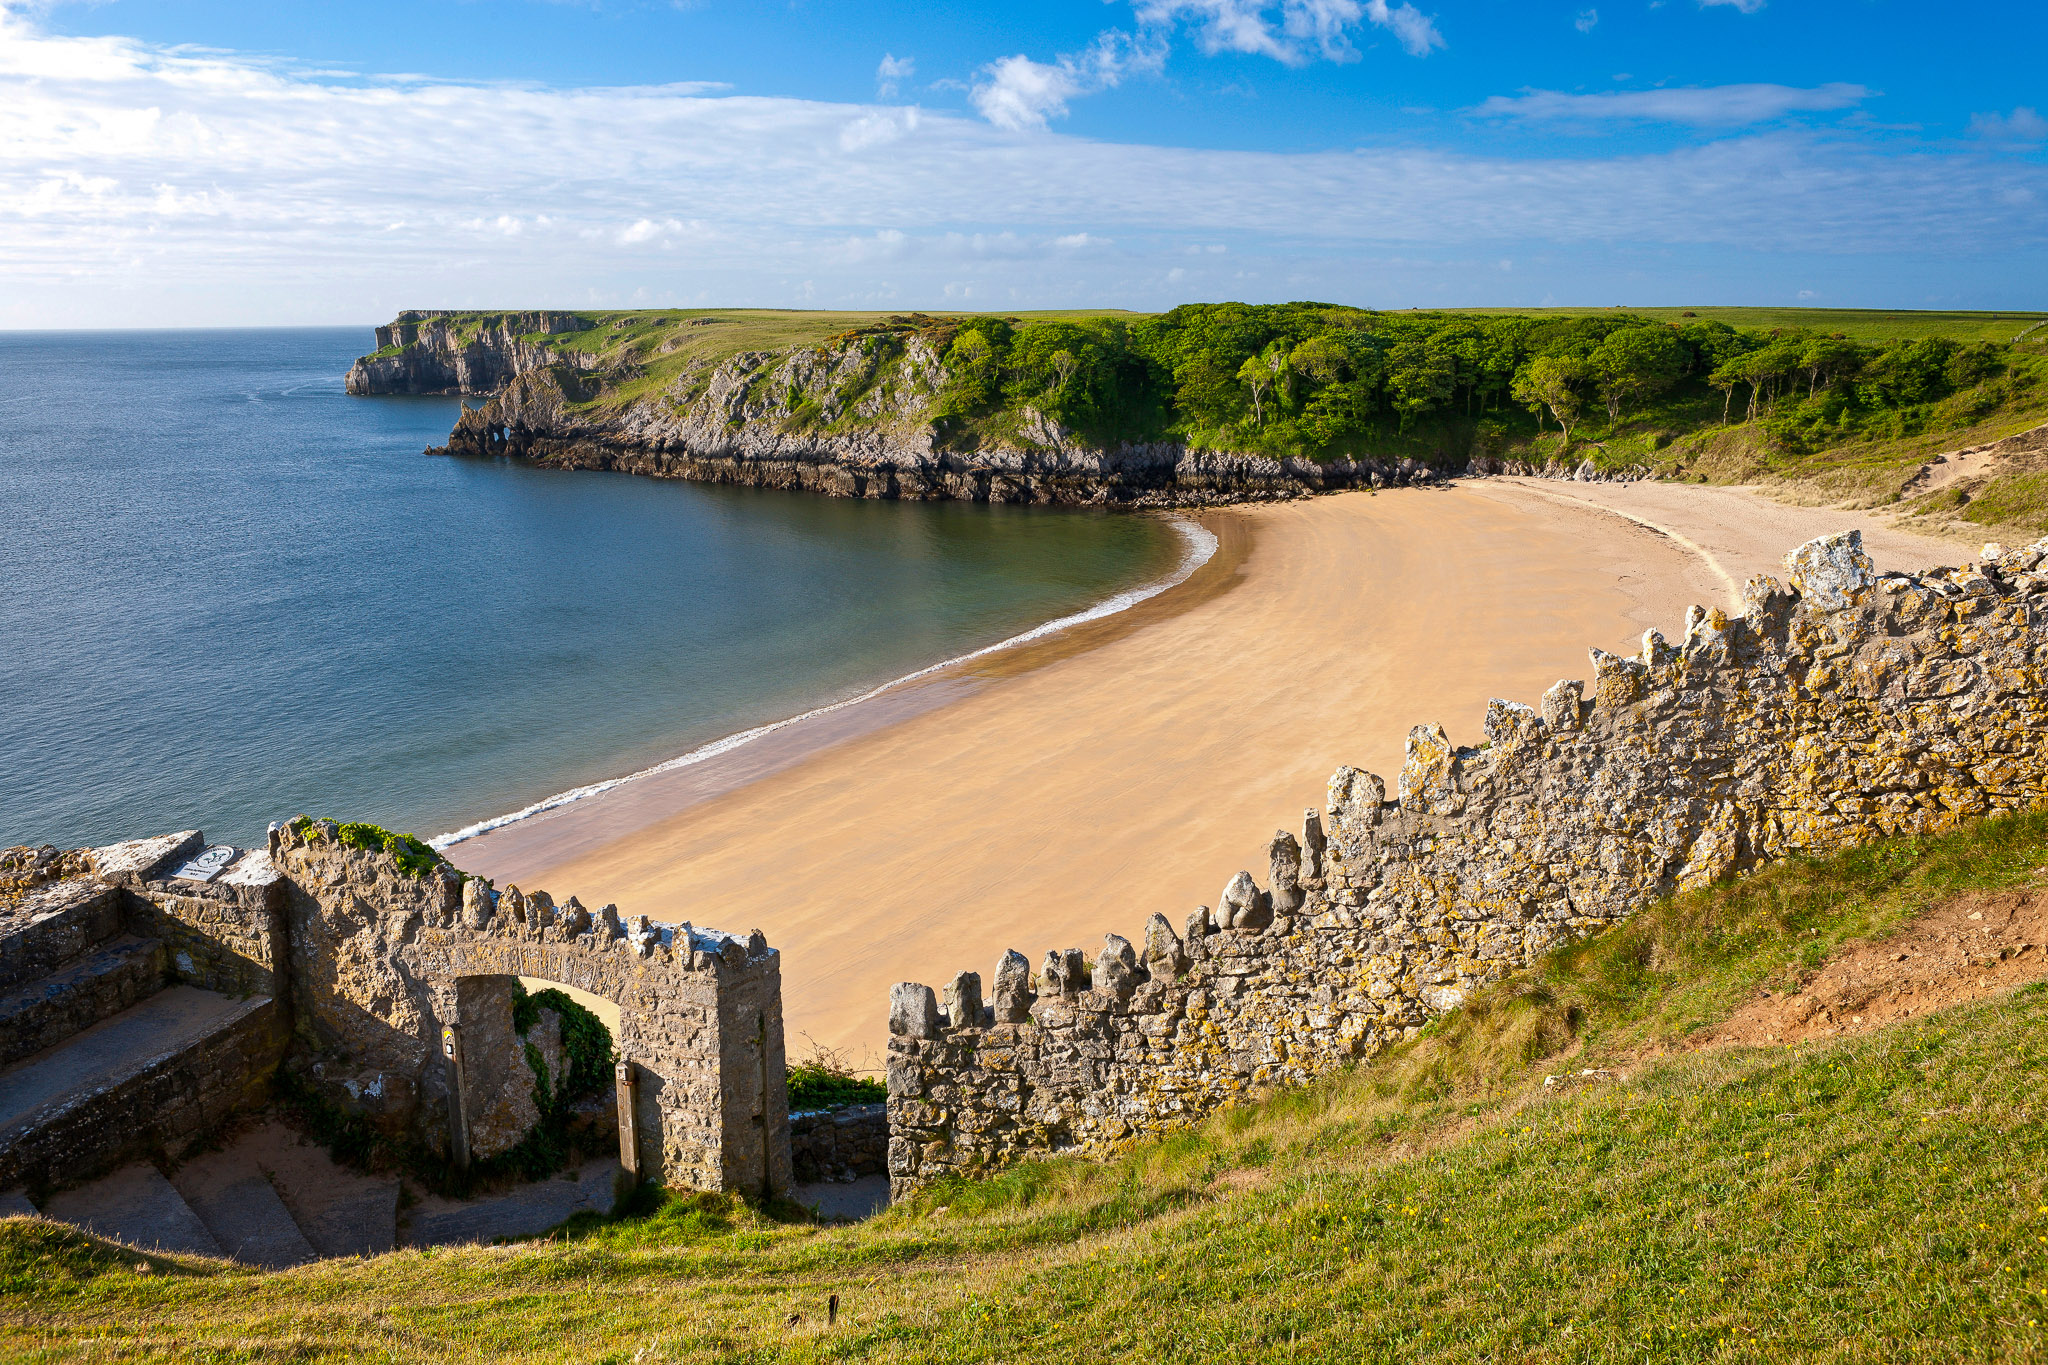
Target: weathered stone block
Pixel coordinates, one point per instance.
(963, 1001)
(913, 1011)
(1013, 988)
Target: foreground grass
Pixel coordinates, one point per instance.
(1878, 1198)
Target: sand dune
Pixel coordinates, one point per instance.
(1136, 765)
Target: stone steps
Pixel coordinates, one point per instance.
(136, 1206)
(270, 1198)
(144, 1078)
(339, 1211)
(242, 1209)
(108, 978)
(106, 1053)
(274, 1198)
(53, 926)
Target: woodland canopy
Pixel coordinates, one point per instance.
(1316, 380)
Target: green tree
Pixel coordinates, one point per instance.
(1909, 372)
(1323, 359)
(1259, 375)
(1712, 345)
(1062, 363)
(971, 351)
(1554, 382)
(1826, 359)
(1636, 362)
(1764, 370)
(1421, 378)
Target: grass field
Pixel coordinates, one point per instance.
(777, 328)
(1858, 324)
(1877, 1198)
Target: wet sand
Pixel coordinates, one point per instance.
(1043, 798)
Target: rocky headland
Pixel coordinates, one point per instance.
(1219, 403)
(850, 415)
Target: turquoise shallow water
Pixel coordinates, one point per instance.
(229, 592)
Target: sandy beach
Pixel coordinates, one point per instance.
(1078, 786)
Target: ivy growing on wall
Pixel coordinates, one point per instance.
(587, 1071)
(414, 856)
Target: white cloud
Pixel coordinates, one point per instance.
(648, 230)
(1700, 106)
(145, 186)
(1018, 93)
(891, 74)
(1298, 30)
(1745, 6)
(1588, 20)
(1416, 31)
(878, 128)
(2021, 125)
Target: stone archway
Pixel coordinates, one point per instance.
(526, 1067)
(380, 952)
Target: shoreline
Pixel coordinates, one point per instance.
(1199, 545)
(1039, 807)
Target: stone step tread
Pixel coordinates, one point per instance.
(159, 1026)
(242, 1209)
(108, 979)
(340, 1212)
(137, 1206)
(53, 925)
(525, 1211)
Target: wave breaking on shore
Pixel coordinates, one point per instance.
(1198, 545)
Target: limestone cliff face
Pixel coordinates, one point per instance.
(427, 352)
(847, 419)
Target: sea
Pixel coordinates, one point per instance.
(231, 593)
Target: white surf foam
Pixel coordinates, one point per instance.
(1197, 545)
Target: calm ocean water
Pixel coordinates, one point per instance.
(229, 592)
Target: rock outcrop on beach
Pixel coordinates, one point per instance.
(851, 417)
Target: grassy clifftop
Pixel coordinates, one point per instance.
(1880, 1195)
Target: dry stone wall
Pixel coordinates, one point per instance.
(840, 1144)
(1842, 706)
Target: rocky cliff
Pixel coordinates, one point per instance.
(849, 416)
(431, 352)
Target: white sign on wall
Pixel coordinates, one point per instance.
(208, 864)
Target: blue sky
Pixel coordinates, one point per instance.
(164, 161)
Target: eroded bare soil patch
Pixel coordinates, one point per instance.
(1976, 945)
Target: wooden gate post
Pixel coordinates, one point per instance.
(629, 1121)
(458, 1117)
